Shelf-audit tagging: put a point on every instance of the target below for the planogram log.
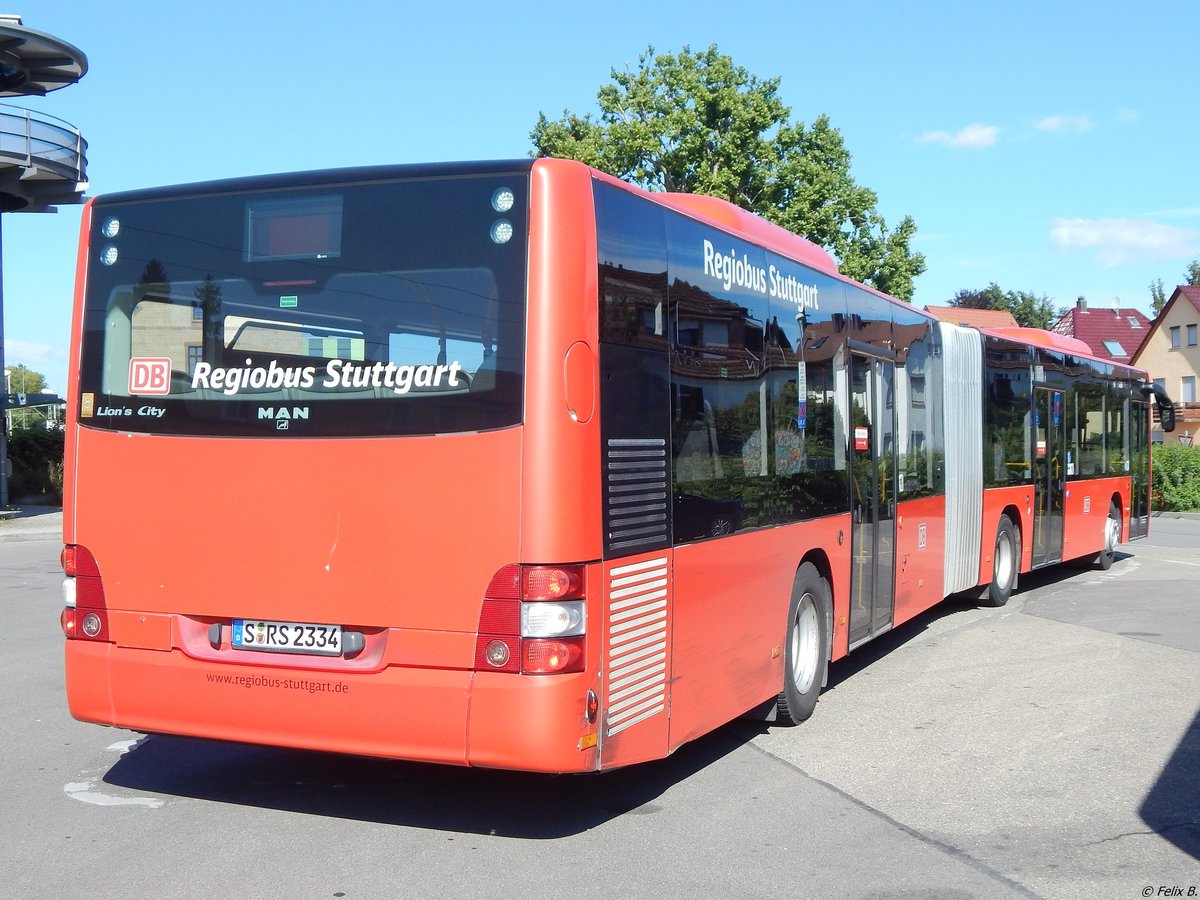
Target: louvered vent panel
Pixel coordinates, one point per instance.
(636, 495)
(636, 655)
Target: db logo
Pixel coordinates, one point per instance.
(150, 377)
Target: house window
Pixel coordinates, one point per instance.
(916, 385)
(1114, 348)
(1133, 322)
(1188, 392)
(1174, 337)
(1191, 334)
(195, 354)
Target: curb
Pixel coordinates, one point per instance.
(31, 523)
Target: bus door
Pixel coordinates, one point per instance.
(872, 480)
(1049, 476)
(1139, 437)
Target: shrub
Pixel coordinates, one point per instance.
(37, 464)
(1176, 483)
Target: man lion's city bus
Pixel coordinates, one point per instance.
(515, 465)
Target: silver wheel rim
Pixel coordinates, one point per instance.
(1112, 535)
(806, 644)
(1004, 561)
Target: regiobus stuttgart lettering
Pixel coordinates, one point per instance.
(338, 375)
(731, 270)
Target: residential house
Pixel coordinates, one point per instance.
(1170, 353)
(1113, 333)
(974, 318)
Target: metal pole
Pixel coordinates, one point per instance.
(4, 427)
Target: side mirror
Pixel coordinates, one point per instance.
(1166, 409)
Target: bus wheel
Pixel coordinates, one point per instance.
(1112, 537)
(807, 652)
(1004, 564)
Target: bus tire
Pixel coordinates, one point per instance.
(806, 647)
(1005, 563)
(1112, 537)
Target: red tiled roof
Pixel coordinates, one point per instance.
(1126, 327)
(977, 318)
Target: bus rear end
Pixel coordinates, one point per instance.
(297, 473)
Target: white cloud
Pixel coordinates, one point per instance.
(1129, 116)
(1119, 241)
(974, 137)
(1061, 124)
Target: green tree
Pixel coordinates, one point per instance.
(698, 123)
(1192, 276)
(1158, 296)
(23, 380)
(1029, 309)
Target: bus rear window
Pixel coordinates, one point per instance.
(390, 307)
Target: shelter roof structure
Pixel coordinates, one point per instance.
(34, 63)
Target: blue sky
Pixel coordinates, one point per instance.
(1046, 146)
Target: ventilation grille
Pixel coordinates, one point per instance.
(636, 657)
(636, 495)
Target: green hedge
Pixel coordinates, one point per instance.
(37, 465)
(1176, 485)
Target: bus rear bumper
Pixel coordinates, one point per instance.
(448, 716)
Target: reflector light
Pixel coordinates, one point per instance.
(89, 592)
(500, 617)
(505, 584)
(110, 254)
(111, 227)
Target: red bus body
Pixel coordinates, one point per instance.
(397, 537)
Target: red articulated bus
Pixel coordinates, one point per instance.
(515, 465)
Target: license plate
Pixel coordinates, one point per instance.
(287, 637)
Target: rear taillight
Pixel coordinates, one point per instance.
(85, 613)
(533, 621)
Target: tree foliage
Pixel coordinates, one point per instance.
(1030, 310)
(1192, 275)
(698, 123)
(1158, 296)
(23, 380)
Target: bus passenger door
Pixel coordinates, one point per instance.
(1139, 437)
(873, 480)
(1049, 477)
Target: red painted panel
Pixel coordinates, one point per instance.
(920, 549)
(731, 604)
(1019, 501)
(1086, 511)
(560, 508)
